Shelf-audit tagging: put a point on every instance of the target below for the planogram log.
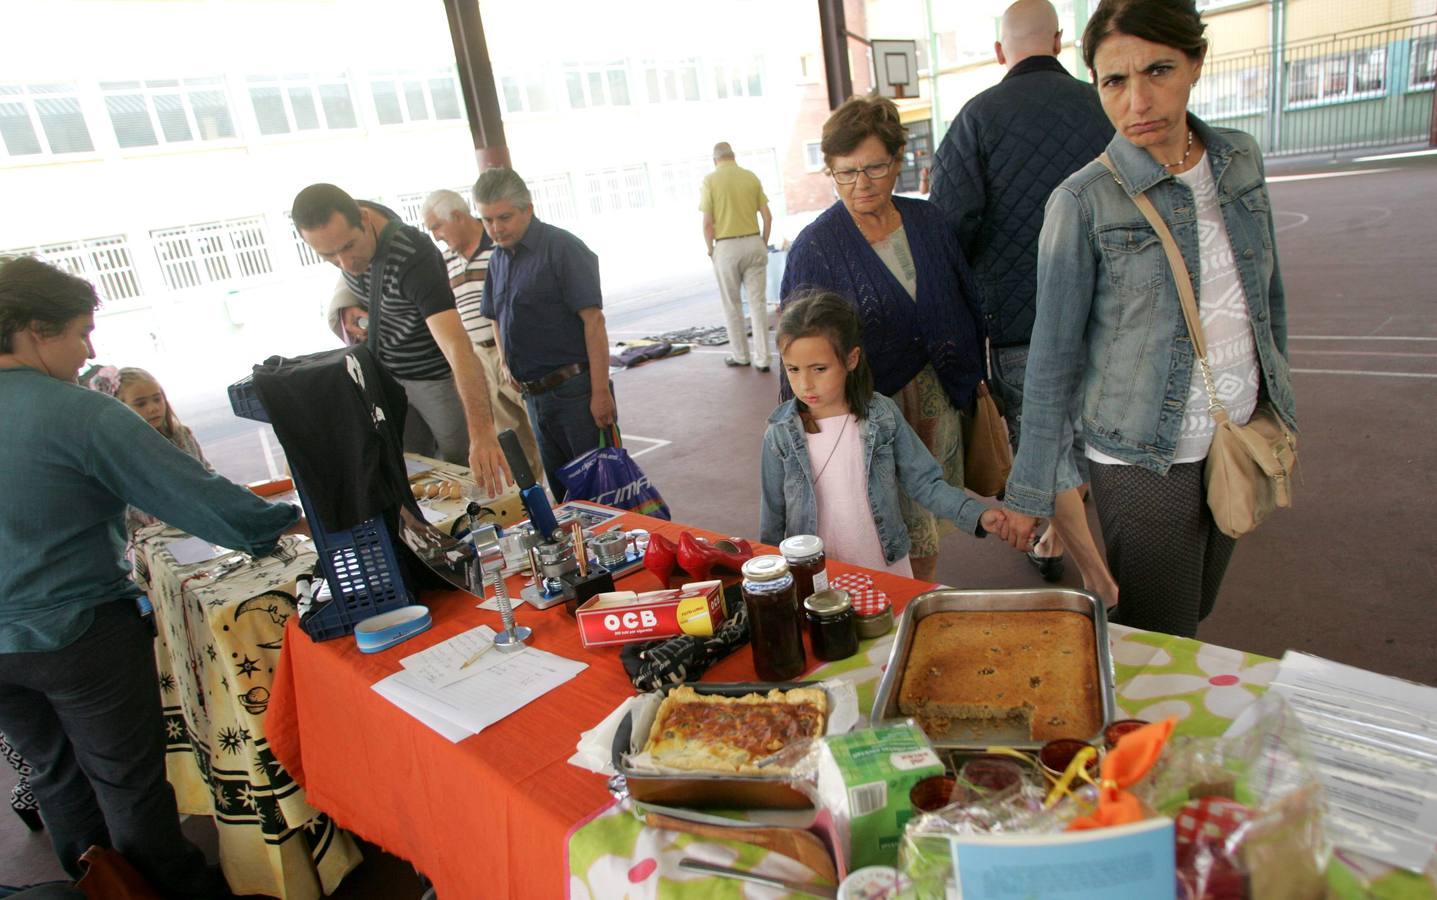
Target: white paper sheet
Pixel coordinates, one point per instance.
(504, 683)
(191, 550)
(1373, 740)
(444, 663)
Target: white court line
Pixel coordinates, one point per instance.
(657, 443)
(1355, 337)
(1363, 353)
(1365, 372)
(1316, 175)
(1409, 155)
(1301, 220)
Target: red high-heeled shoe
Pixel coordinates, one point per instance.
(661, 557)
(699, 558)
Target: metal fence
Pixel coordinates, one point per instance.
(1369, 88)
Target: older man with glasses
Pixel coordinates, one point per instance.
(896, 260)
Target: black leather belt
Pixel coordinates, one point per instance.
(734, 237)
(554, 378)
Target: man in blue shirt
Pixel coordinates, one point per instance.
(542, 293)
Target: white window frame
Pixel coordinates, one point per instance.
(399, 81)
(27, 94)
(305, 254)
(149, 89)
(813, 156)
(314, 83)
(524, 82)
(1352, 60)
(1206, 102)
(723, 72)
(629, 185)
(218, 252)
(553, 197)
(1414, 58)
(106, 262)
(668, 85)
(680, 180)
(604, 70)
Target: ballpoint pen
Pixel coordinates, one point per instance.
(478, 653)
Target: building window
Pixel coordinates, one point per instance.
(597, 84)
(1424, 63)
(526, 92)
(1353, 75)
(813, 155)
(415, 97)
(738, 78)
(38, 119)
(302, 251)
(105, 262)
(1227, 91)
(301, 103)
(810, 68)
(670, 82)
(625, 187)
(553, 197)
(193, 255)
(680, 180)
(172, 111)
(410, 208)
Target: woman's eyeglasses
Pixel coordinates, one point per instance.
(850, 176)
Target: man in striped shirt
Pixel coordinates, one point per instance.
(414, 329)
(448, 218)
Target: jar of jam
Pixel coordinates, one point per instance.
(775, 626)
(873, 614)
(807, 562)
(830, 625)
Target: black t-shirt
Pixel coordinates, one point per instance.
(415, 286)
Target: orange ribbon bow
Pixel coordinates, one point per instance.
(1124, 766)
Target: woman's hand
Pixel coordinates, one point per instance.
(1017, 529)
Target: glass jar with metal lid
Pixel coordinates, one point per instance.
(807, 561)
(830, 625)
(774, 623)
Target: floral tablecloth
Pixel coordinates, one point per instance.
(614, 855)
(220, 630)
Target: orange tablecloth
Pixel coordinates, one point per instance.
(487, 816)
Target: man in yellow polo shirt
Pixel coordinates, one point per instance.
(732, 200)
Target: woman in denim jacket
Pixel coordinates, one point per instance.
(1110, 321)
(835, 455)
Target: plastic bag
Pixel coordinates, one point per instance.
(607, 475)
(1246, 807)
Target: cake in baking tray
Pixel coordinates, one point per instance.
(976, 668)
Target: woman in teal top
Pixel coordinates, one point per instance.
(79, 698)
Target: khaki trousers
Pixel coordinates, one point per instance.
(508, 405)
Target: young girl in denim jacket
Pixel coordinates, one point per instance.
(835, 455)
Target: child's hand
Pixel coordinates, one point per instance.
(993, 520)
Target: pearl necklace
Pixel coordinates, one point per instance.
(1186, 154)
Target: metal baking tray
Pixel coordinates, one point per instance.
(713, 791)
(1006, 733)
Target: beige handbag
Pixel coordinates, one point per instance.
(1249, 467)
(987, 455)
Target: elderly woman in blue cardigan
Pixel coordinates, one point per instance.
(901, 267)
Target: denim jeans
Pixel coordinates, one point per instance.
(564, 426)
(87, 718)
(1010, 364)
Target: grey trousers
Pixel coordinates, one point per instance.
(435, 426)
(87, 718)
(1164, 549)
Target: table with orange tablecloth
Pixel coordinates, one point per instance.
(487, 816)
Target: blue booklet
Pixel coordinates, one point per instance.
(1129, 862)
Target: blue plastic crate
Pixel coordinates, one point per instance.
(364, 573)
(245, 402)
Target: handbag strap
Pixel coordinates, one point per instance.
(1184, 285)
(609, 437)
